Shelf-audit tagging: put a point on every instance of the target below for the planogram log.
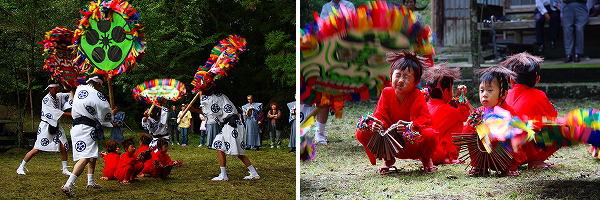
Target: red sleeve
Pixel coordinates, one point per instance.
(382, 109)
(448, 119)
(419, 113)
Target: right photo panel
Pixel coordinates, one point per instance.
(452, 99)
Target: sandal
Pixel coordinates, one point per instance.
(512, 173)
(387, 170)
(429, 169)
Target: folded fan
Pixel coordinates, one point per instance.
(159, 90)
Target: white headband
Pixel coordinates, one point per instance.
(95, 79)
(51, 86)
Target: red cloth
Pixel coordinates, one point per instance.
(413, 108)
(149, 164)
(518, 157)
(446, 120)
(128, 167)
(164, 160)
(531, 102)
(111, 160)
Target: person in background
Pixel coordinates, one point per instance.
(184, 124)
(274, 125)
(574, 17)
(292, 107)
(202, 130)
(172, 120)
(116, 133)
(546, 11)
(252, 112)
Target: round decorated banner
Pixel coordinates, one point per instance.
(107, 39)
(343, 56)
(58, 57)
(159, 90)
(222, 58)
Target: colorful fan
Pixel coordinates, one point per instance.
(577, 126)
(159, 90)
(58, 57)
(344, 55)
(108, 40)
(222, 58)
(499, 126)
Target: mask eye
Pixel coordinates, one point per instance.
(344, 54)
(376, 60)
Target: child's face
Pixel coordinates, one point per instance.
(403, 81)
(130, 149)
(489, 93)
(164, 148)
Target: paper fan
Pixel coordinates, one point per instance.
(222, 58)
(108, 40)
(345, 54)
(159, 90)
(577, 126)
(58, 57)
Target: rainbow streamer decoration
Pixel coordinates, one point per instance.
(307, 146)
(577, 126)
(499, 126)
(159, 90)
(104, 10)
(58, 57)
(222, 58)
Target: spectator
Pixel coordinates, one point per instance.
(184, 126)
(574, 17)
(173, 125)
(116, 133)
(546, 11)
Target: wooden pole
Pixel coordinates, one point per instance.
(475, 47)
(189, 105)
(110, 93)
(312, 113)
(29, 86)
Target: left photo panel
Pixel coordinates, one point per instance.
(177, 99)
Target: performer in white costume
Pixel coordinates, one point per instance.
(90, 108)
(156, 122)
(292, 120)
(252, 120)
(231, 138)
(50, 135)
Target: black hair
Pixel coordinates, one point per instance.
(127, 142)
(526, 74)
(407, 60)
(161, 142)
(444, 83)
(145, 138)
(155, 112)
(111, 146)
(501, 79)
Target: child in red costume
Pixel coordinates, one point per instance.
(446, 119)
(111, 158)
(162, 162)
(129, 166)
(145, 140)
(403, 101)
(529, 102)
(493, 87)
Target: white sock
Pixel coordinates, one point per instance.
(71, 181)
(91, 179)
(223, 172)
(23, 163)
(64, 163)
(321, 127)
(252, 170)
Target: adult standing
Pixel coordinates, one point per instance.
(116, 133)
(275, 127)
(230, 140)
(574, 17)
(173, 125)
(50, 135)
(546, 11)
(90, 109)
(252, 111)
(292, 107)
(335, 4)
(184, 125)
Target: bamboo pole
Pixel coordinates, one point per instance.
(110, 93)
(189, 105)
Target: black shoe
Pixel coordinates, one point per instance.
(569, 58)
(552, 45)
(257, 148)
(541, 48)
(576, 59)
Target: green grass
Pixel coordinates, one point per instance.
(341, 170)
(569, 66)
(276, 167)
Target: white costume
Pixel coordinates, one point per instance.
(157, 128)
(88, 102)
(253, 131)
(231, 139)
(52, 110)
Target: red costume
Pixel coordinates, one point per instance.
(446, 120)
(149, 164)
(531, 102)
(413, 108)
(111, 160)
(128, 167)
(518, 157)
(164, 160)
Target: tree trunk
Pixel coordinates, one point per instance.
(29, 86)
(475, 47)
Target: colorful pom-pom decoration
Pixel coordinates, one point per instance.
(499, 125)
(159, 90)
(58, 57)
(577, 126)
(108, 39)
(344, 54)
(222, 58)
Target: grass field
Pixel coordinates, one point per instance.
(341, 170)
(276, 167)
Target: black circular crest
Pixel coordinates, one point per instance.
(101, 96)
(48, 115)
(218, 144)
(215, 108)
(44, 142)
(227, 146)
(108, 117)
(228, 108)
(90, 110)
(45, 100)
(82, 94)
(80, 146)
(234, 133)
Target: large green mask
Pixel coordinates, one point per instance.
(106, 43)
